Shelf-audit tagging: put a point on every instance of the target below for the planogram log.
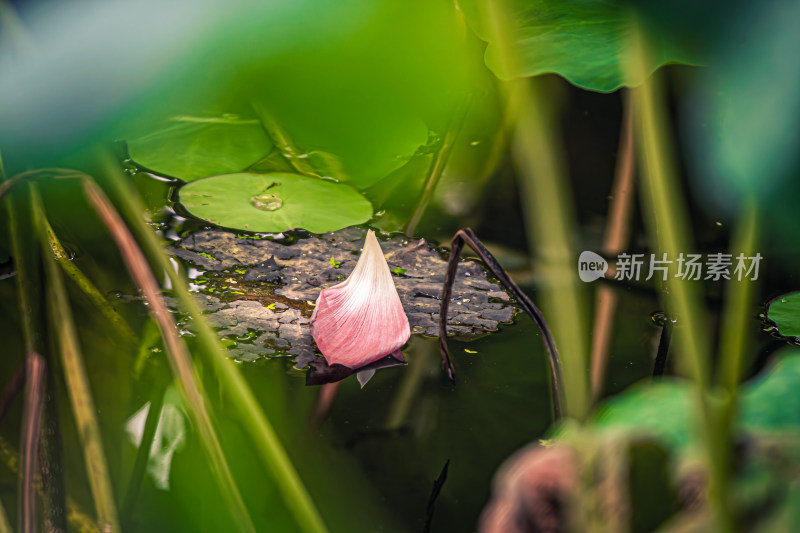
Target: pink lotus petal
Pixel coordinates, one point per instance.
(361, 319)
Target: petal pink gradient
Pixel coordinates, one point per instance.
(361, 319)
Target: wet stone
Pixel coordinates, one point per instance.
(263, 290)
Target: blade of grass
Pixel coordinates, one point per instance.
(31, 425)
(739, 300)
(735, 341)
(54, 504)
(5, 525)
(77, 382)
(85, 284)
(253, 418)
(29, 294)
(78, 520)
(179, 358)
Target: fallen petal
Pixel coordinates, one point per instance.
(361, 320)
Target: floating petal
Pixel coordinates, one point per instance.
(361, 320)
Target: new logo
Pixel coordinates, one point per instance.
(591, 266)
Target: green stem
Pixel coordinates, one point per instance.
(253, 419)
(78, 386)
(549, 218)
(550, 223)
(35, 369)
(667, 222)
(78, 520)
(739, 300)
(438, 164)
(30, 297)
(5, 525)
(84, 283)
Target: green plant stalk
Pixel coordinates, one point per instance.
(29, 294)
(78, 520)
(5, 525)
(739, 300)
(35, 369)
(253, 419)
(54, 504)
(178, 354)
(439, 163)
(77, 382)
(550, 228)
(666, 220)
(89, 289)
(549, 218)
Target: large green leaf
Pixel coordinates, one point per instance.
(770, 402)
(585, 41)
(784, 311)
(275, 202)
(663, 410)
(195, 147)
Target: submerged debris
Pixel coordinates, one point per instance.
(259, 292)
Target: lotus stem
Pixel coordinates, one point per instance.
(467, 236)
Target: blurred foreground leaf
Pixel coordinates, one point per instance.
(196, 147)
(586, 41)
(663, 410)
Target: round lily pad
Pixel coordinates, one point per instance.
(784, 311)
(192, 148)
(275, 202)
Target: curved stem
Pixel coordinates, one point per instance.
(467, 236)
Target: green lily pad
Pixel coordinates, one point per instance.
(194, 147)
(275, 202)
(585, 41)
(784, 311)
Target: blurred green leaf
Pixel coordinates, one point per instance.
(275, 202)
(770, 402)
(196, 147)
(662, 410)
(585, 41)
(745, 114)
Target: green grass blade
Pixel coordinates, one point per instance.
(85, 284)
(253, 418)
(739, 301)
(78, 387)
(5, 525)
